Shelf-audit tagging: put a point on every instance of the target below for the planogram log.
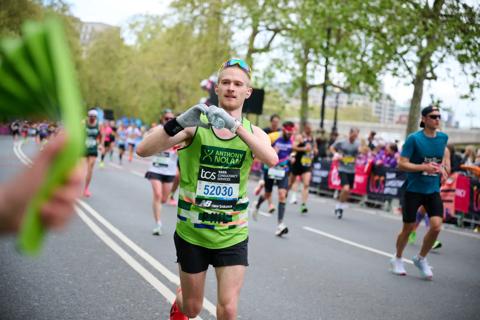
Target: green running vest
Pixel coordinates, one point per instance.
(212, 204)
(91, 137)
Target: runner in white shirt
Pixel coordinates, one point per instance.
(133, 133)
(161, 174)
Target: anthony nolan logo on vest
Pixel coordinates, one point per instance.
(222, 157)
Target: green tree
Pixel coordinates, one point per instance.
(14, 12)
(419, 36)
(103, 71)
(323, 36)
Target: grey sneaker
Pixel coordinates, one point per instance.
(423, 266)
(281, 230)
(397, 267)
(255, 213)
(157, 231)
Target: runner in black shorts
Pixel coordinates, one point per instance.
(305, 150)
(346, 152)
(161, 174)
(92, 141)
(424, 159)
(279, 175)
(195, 259)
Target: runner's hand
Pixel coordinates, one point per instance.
(220, 119)
(431, 167)
(191, 117)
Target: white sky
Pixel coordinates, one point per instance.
(116, 12)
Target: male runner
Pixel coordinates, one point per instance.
(422, 157)
(305, 149)
(212, 225)
(161, 175)
(346, 151)
(279, 174)
(274, 132)
(92, 142)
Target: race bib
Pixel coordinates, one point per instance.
(348, 159)
(91, 142)
(276, 173)
(306, 161)
(217, 188)
(161, 160)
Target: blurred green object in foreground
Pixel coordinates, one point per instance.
(38, 80)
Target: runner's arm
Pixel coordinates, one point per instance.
(158, 140)
(404, 164)
(259, 143)
(298, 140)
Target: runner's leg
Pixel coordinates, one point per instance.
(190, 298)
(229, 283)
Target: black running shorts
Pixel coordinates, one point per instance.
(347, 178)
(195, 259)
(413, 200)
(157, 176)
(281, 184)
(298, 169)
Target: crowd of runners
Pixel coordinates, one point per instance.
(215, 147)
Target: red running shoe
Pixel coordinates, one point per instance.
(86, 193)
(175, 313)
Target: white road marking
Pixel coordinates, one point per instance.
(115, 165)
(210, 307)
(461, 233)
(139, 174)
(354, 244)
(265, 214)
(150, 278)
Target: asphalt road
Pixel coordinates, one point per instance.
(107, 265)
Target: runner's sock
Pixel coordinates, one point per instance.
(281, 211)
(259, 202)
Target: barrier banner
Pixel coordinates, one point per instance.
(334, 181)
(376, 184)
(362, 172)
(462, 193)
(320, 172)
(394, 181)
(475, 196)
(447, 193)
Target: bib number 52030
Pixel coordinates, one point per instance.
(217, 191)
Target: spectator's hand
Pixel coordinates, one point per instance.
(308, 147)
(18, 193)
(191, 117)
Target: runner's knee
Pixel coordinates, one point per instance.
(228, 310)
(191, 307)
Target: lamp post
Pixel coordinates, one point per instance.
(335, 115)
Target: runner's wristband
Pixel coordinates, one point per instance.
(172, 127)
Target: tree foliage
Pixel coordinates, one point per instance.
(305, 43)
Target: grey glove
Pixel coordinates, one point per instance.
(220, 119)
(191, 117)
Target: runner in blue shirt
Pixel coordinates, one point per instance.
(423, 158)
